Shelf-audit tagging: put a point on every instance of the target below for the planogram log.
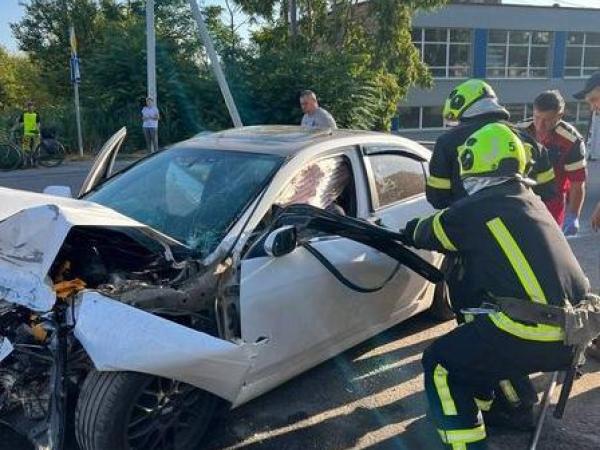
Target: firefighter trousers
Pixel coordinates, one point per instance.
(511, 393)
(463, 368)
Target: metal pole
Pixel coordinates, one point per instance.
(215, 64)
(151, 50)
(75, 79)
(545, 405)
(78, 118)
(293, 18)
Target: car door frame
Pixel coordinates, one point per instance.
(365, 154)
(104, 163)
(425, 296)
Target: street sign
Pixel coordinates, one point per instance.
(75, 73)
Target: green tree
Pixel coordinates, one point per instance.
(357, 56)
(112, 48)
(43, 34)
(12, 88)
(19, 82)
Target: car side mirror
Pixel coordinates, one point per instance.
(59, 191)
(281, 241)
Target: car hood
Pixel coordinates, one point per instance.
(33, 228)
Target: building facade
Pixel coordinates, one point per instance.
(520, 50)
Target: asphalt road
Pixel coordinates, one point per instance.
(370, 397)
(69, 174)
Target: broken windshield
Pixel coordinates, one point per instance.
(192, 195)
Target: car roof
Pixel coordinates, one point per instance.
(284, 140)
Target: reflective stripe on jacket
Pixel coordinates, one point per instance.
(509, 246)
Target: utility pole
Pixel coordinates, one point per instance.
(76, 79)
(215, 64)
(151, 51)
(293, 11)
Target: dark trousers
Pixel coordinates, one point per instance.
(512, 393)
(151, 136)
(463, 368)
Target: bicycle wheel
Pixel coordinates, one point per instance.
(10, 157)
(49, 157)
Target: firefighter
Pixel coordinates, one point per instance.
(566, 149)
(473, 105)
(470, 106)
(511, 247)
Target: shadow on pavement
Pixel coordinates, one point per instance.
(346, 430)
(420, 434)
(343, 387)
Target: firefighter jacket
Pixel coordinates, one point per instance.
(444, 185)
(509, 246)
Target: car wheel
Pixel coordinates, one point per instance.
(134, 411)
(440, 307)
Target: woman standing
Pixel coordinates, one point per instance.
(150, 117)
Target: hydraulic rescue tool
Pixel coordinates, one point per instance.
(306, 217)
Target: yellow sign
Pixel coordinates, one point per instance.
(73, 41)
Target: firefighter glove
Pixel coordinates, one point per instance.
(409, 232)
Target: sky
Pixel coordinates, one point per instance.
(11, 11)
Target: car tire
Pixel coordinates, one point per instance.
(440, 309)
(106, 412)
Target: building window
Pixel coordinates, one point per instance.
(577, 113)
(447, 51)
(583, 54)
(518, 54)
(409, 117)
(519, 111)
(419, 117)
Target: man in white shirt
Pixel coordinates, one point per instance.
(314, 116)
(591, 94)
(150, 117)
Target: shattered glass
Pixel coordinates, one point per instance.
(319, 184)
(191, 195)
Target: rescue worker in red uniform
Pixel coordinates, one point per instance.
(566, 149)
(511, 247)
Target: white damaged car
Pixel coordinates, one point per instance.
(190, 278)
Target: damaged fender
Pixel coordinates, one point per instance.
(118, 337)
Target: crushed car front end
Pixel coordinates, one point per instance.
(87, 291)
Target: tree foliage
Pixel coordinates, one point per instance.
(357, 56)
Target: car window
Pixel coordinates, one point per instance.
(324, 184)
(395, 178)
(193, 195)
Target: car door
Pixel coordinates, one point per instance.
(397, 180)
(302, 311)
(104, 163)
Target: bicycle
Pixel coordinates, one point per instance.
(49, 152)
(10, 154)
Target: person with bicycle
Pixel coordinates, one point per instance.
(37, 146)
(29, 125)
